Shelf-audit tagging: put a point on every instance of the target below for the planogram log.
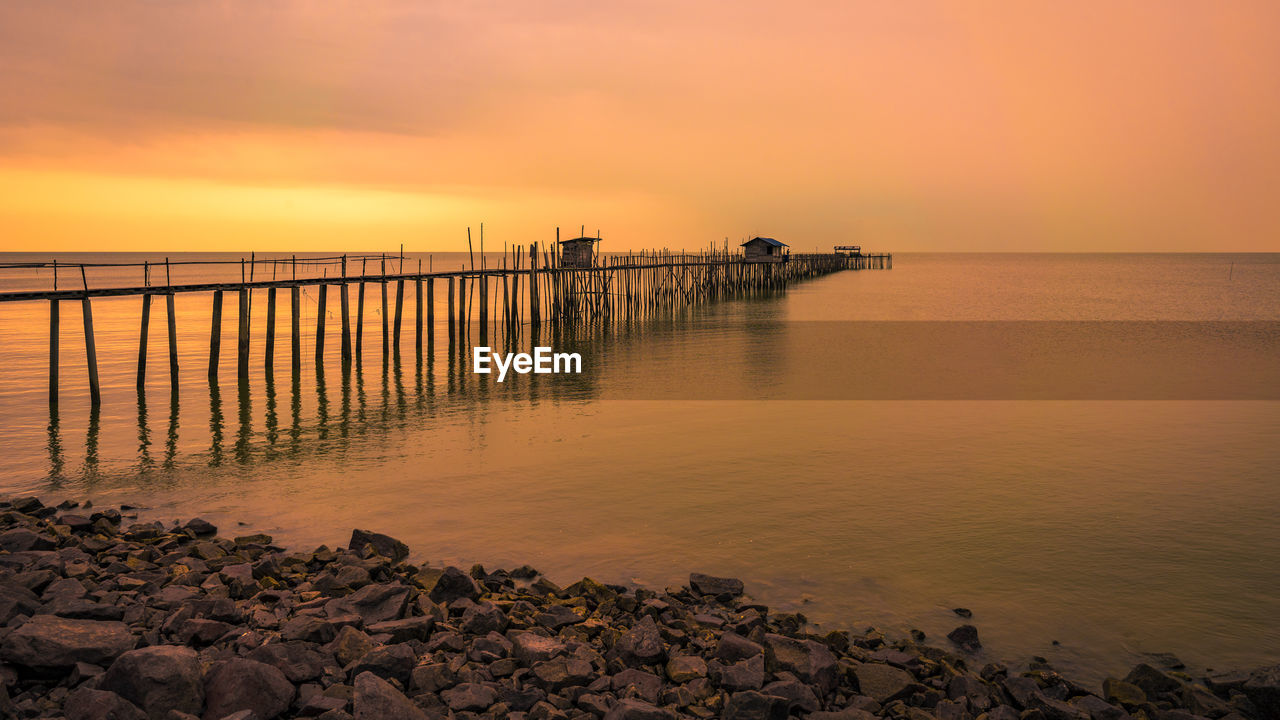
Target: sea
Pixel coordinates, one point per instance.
(1081, 449)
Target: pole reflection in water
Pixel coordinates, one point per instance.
(56, 461)
(215, 424)
(295, 414)
(91, 442)
(322, 405)
(272, 422)
(171, 441)
(244, 435)
(145, 463)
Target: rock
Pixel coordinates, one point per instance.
(376, 699)
(810, 661)
(642, 644)
(384, 545)
(469, 696)
(452, 585)
(563, 672)
(1099, 709)
(752, 705)
(646, 685)
(1152, 681)
(158, 680)
(47, 641)
(349, 645)
(404, 630)
(483, 618)
(858, 714)
(89, 704)
(201, 527)
(432, 678)
(965, 613)
(1124, 693)
(529, 648)
(22, 539)
(299, 661)
(723, 588)
(242, 684)
(16, 600)
(882, 683)
(966, 636)
(389, 662)
(556, 617)
(743, 675)
(1263, 689)
(372, 603)
(309, 628)
(632, 709)
(199, 631)
(683, 668)
(733, 647)
(1166, 660)
(799, 696)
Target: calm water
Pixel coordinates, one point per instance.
(1115, 526)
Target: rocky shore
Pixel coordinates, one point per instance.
(104, 618)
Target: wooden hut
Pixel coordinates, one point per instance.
(578, 252)
(763, 249)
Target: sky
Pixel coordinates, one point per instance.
(902, 126)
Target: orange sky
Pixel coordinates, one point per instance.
(242, 124)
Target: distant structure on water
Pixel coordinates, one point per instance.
(578, 252)
(763, 249)
(849, 250)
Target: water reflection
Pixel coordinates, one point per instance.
(56, 461)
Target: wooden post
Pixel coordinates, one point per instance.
(173, 341)
(484, 308)
(399, 313)
(417, 316)
(142, 342)
(295, 331)
(346, 325)
(242, 344)
(320, 311)
(360, 321)
(535, 311)
(215, 335)
(269, 357)
(91, 353)
(463, 316)
(452, 315)
(431, 312)
(54, 322)
(386, 333)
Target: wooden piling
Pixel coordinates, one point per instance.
(242, 343)
(54, 322)
(399, 314)
(431, 313)
(269, 351)
(360, 321)
(295, 330)
(346, 325)
(142, 342)
(386, 334)
(173, 340)
(215, 335)
(322, 291)
(91, 353)
(452, 314)
(417, 315)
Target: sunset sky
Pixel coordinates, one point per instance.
(1018, 125)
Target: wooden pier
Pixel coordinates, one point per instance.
(531, 288)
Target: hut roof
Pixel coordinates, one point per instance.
(580, 239)
(767, 241)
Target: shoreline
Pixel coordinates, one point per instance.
(105, 615)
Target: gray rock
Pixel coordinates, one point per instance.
(376, 699)
(726, 588)
(810, 661)
(563, 672)
(469, 696)
(158, 680)
(646, 685)
(372, 603)
(733, 647)
(852, 713)
(642, 644)
(483, 618)
(432, 678)
(384, 545)
(1098, 708)
(683, 668)
(632, 709)
(743, 675)
(47, 641)
(752, 705)
(201, 527)
(299, 661)
(404, 630)
(452, 585)
(882, 683)
(242, 684)
(16, 600)
(22, 539)
(1152, 681)
(389, 662)
(1263, 689)
(89, 704)
(529, 648)
(349, 645)
(799, 696)
(966, 636)
(557, 616)
(309, 628)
